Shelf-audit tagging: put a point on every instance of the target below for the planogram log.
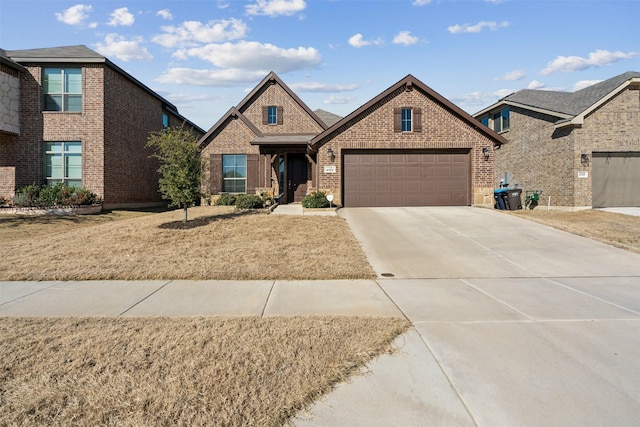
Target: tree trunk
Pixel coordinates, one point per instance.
(185, 214)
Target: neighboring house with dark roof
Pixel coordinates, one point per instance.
(83, 121)
(581, 148)
(408, 146)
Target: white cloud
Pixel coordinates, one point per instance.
(599, 58)
(584, 84)
(480, 99)
(121, 17)
(338, 100)
(495, 1)
(276, 7)
(256, 56)
(220, 78)
(512, 76)
(191, 32)
(405, 38)
(476, 28)
(75, 15)
(421, 2)
(322, 87)
(165, 14)
(536, 85)
(119, 47)
(358, 41)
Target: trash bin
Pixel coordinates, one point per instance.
(513, 199)
(498, 196)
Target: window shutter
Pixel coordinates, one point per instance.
(417, 120)
(279, 117)
(216, 173)
(252, 173)
(265, 115)
(397, 119)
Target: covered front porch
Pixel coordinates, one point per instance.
(293, 165)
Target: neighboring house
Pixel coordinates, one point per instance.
(73, 116)
(408, 146)
(581, 148)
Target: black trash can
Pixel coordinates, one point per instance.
(513, 199)
(499, 197)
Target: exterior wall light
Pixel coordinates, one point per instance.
(330, 153)
(584, 158)
(485, 152)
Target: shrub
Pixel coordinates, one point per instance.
(248, 201)
(26, 196)
(226, 200)
(316, 199)
(44, 196)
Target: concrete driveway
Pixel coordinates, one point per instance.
(515, 324)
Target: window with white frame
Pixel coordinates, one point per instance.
(63, 163)
(272, 115)
(62, 89)
(407, 125)
(234, 173)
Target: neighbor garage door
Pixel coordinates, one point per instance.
(616, 179)
(392, 178)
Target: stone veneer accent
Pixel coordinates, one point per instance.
(9, 103)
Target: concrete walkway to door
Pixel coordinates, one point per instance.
(514, 324)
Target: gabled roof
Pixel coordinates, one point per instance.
(407, 83)
(81, 54)
(272, 78)
(260, 138)
(569, 107)
(232, 114)
(328, 118)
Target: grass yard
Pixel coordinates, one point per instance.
(622, 231)
(179, 371)
(216, 243)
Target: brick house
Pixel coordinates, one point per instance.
(408, 146)
(73, 116)
(581, 148)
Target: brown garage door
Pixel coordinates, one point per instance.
(388, 178)
(616, 179)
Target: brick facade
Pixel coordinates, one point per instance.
(444, 127)
(441, 130)
(117, 115)
(541, 156)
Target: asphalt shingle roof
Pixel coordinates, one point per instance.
(571, 103)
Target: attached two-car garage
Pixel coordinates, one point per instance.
(376, 178)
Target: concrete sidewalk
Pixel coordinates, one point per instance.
(514, 323)
(484, 352)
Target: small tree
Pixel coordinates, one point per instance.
(180, 166)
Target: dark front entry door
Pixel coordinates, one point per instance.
(296, 177)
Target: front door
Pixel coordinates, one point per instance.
(296, 177)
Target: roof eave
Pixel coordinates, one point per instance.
(411, 83)
(578, 120)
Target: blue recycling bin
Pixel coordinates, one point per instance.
(499, 196)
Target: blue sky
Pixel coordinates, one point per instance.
(205, 55)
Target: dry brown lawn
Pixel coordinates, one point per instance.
(217, 243)
(184, 372)
(622, 231)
